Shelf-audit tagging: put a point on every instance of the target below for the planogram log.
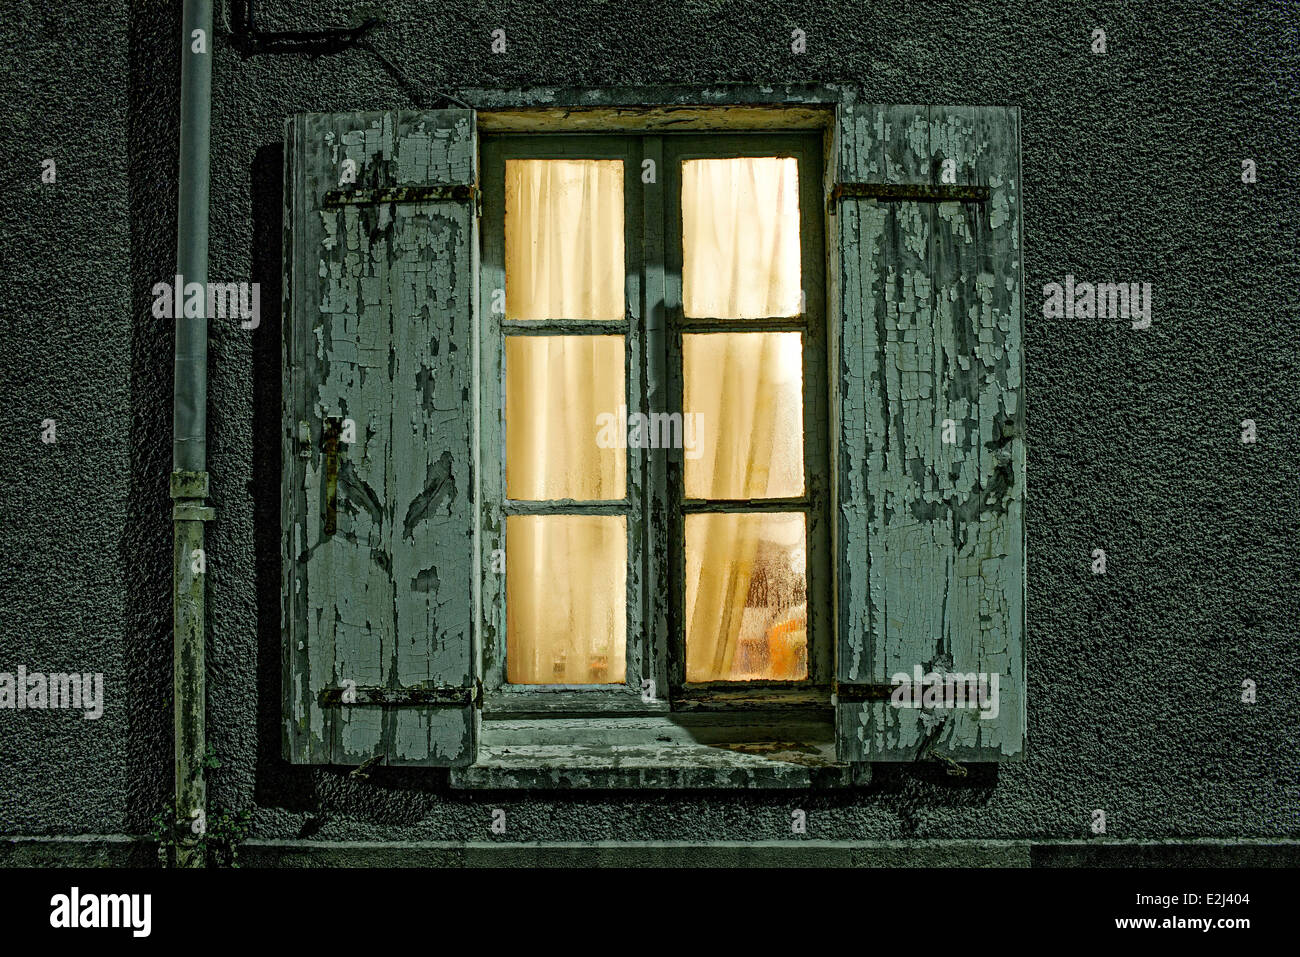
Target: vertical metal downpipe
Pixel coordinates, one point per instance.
(189, 477)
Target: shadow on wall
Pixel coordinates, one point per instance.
(277, 783)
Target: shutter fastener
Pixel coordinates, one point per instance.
(855, 693)
(335, 198)
(440, 696)
(330, 446)
(909, 192)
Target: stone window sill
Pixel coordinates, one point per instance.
(674, 751)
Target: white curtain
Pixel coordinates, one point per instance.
(744, 572)
(740, 237)
(564, 239)
(566, 575)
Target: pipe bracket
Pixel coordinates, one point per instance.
(193, 513)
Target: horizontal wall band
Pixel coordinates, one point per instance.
(118, 850)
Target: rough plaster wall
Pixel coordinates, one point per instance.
(66, 344)
(1131, 165)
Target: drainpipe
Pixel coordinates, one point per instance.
(189, 477)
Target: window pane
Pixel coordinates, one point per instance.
(743, 392)
(566, 599)
(564, 239)
(559, 391)
(740, 237)
(746, 597)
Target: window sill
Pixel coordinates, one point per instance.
(678, 751)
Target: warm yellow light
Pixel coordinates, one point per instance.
(740, 237)
(564, 239)
(566, 599)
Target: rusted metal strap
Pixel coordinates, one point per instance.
(847, 693)
(330, 448)
(398, 194)
(913, 192)
(458, 696)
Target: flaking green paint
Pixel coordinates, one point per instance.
(379, 304)
(931, 534)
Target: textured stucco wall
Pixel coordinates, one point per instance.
(1131, 173)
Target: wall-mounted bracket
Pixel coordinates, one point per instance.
(459, 696)
(907, 192)
(336, 198)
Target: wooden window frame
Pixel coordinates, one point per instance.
(500, 694)
(654, 325)
(811, 324)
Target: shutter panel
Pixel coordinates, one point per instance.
(378, 532)
(930, 533)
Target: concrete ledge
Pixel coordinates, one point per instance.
(128, 851)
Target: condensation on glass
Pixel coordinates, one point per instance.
(746, 571)
(746, 596)
(566, 574)
(566, 599)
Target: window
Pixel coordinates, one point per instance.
(678, 462)
(651, 377)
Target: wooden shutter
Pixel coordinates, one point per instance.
(378, 532)
(930, 467)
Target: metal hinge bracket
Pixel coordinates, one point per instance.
(852, 693)
(909, 192)
(335, 198)
(439, 697)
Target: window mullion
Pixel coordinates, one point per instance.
(655, 395)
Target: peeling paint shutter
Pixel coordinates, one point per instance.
(930, 465)
(377, 510)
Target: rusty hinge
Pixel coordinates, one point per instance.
(950, 767)
(914, 192)
(440, 697)
(335, 198)
(330, 447)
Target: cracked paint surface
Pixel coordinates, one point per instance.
(931, 532)
(379, 303)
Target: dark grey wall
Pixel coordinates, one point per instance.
(1131, 173)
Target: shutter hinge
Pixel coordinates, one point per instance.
(335, 198)
(330, 447)
(436, 697)
(912, 192)
(951, 767)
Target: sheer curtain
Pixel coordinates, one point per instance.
(564, 239)
(566, 575)
(744, 571)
